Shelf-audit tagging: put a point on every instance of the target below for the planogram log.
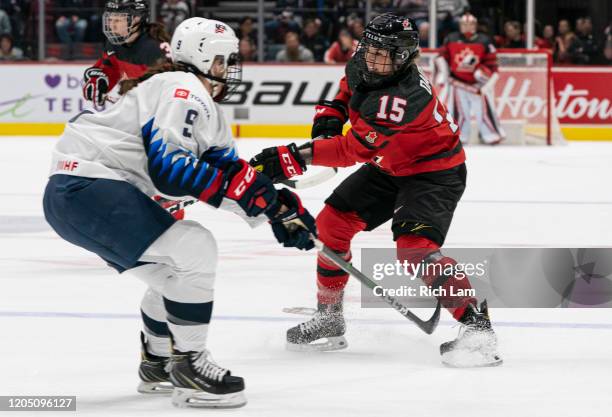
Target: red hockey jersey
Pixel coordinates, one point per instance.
(465, 56)
(131, 61)
(403, 129)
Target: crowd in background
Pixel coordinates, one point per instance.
(298, 30)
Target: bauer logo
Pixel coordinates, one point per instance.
(181, 93)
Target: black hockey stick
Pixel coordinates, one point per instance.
(427, 326)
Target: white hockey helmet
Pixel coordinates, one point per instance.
(199, 43)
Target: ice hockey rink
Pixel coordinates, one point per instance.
(70, 324)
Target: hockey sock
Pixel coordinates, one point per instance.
(440, 273)
(336, 230)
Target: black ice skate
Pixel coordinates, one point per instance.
(153, 372)
(327, 323)
(476, 345)
(199, 382)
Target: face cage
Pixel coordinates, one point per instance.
(233, 79)
(399, 57)
(115, 38)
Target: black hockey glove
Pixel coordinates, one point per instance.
(280, 162)
(293, 227)
(96, 85)
(329, 119)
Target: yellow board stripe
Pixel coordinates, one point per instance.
(31, 129)
(297, 131)
(587, 133)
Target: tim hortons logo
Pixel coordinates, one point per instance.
(514, 100)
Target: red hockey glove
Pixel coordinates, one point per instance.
(253, 191)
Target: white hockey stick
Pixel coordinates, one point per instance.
(313, 180)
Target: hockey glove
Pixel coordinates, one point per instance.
(293, 227)
(279, 163)
(329, 119)
(253, 191)
(96, 85)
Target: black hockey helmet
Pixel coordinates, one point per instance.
(119, 19)
(389, 45)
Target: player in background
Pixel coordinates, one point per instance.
(166, 134)
(133, 44)
(466, 71)
(414, 174)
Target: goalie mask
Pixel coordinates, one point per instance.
(124, 18)
(209, 48)
(388, 47)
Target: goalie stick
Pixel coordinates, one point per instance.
(427, 326)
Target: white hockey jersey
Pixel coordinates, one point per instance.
(169, 116)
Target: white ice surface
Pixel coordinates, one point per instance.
(70, 325)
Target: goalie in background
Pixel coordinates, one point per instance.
(466, 71)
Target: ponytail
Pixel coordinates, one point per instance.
(127, 85)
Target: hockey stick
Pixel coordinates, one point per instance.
(427, 326)
(316, 179)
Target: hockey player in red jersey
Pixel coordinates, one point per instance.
(466, 70)
(414, 174)
(133, 44)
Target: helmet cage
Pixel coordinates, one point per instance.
(123, 14)
(402, 50)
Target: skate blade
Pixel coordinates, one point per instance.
(185, 397)
(302, 311)
(327, 344)
(470, 359)
(155, 387)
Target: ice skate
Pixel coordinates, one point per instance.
(199, 382)
(153, 372)
(324, 332)
(476, 345)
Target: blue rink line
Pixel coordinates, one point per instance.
(120, 316)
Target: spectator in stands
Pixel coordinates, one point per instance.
(606, 58)
(341, 50)
(277, 29)
(5, 23)
(563, 41)
(584, 49)
(8, 52)
(70, 25)
(383, 6)
(356, 27)
(424, 34)
(247, 50)
(512, 35)
(313, 40)
(173, 12)
(417, 10)
(449, 12)
(547, 40)
(247, 29)
(293, 51)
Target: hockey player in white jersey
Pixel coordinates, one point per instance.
(167, 135)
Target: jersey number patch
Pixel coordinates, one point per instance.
(189, 119)
(397, 111)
